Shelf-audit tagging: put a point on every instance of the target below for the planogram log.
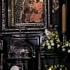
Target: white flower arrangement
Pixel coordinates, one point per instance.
(53, 41)
(56, 67)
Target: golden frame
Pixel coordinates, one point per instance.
(21, 15)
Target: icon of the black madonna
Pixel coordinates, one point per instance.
(26, 11)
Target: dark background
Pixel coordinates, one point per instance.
(68, 19)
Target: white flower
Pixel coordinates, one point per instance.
(63, 46)
(52, 44)
(58, 45)
(56, 36)
(51, 41)
(48, 44)
(49, 47)
(58, 40)
(63, 49)
(69, 51)
(47, 41)
(49, 69)
(67, 44)
(43, 44)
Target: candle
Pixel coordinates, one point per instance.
(63, 18)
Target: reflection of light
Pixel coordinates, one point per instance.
(14, 68)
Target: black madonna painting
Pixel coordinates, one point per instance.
(26, 11)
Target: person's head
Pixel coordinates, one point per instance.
(14, 68)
